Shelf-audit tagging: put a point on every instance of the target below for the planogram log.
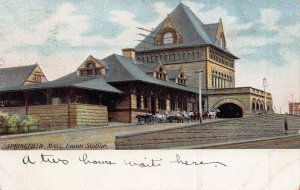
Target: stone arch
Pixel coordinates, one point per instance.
(232, 101)
(258, 103)
(229, 100)
(253, 105)
(262, 105)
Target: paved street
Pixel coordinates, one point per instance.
(99, 138)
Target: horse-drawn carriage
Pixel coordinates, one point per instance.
(166, 117)
(148, 118)
(174, 117)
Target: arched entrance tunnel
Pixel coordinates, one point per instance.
(230, 110)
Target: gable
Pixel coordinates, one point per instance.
(168, 27)
(18, 76)
(35, 76)
(92, 67)
(220, 36)
(92, 60)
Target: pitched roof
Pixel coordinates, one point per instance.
(172, 74)
(14, 76)
(123, 69)
(192, 30)
(188, 24)
(70, 80)
(147, 68)
(211, 30)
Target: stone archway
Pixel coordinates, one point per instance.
(230, 108)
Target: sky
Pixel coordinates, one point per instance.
(60, 35)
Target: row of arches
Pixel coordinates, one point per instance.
(259, 106)
(220, 80)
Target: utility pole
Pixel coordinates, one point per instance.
(200, 92)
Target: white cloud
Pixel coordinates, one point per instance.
(128, 20)
(270, 17)
(123, 18)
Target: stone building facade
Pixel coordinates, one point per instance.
(181, 40)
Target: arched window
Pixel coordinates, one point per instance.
(168, 38)
(221, 41)
(90, 69)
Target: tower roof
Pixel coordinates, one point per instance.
(192, 31)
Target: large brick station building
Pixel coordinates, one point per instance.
(182, 41)
(155, 76)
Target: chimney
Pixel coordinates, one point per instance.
(129, 53)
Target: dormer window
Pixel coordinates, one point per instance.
(161, 74)
(181, 79)
(168, 38)
(90, 69)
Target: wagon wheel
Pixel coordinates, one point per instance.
(149, 121)
(142, 121)
(156, 120)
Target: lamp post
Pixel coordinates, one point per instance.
(265, 85)
(200, 98)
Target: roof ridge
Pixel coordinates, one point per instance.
(19, 66)
(210, 23)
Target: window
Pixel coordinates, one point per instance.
(145, 102)
(172, 105)
(168, 38)
(83, 73)
(90, 69)
(138, 101)
(97, 72)
(184, 56)
(179, 57)
(37, 78)
(162, 104)
(161, 57)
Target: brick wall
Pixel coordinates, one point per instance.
(64, 116)
(82, 115)
(119, 116)
(50, 116)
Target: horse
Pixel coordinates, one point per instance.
(205, 115)
(186, 116)
(162, 118)
(191, 114)
(213, 114)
